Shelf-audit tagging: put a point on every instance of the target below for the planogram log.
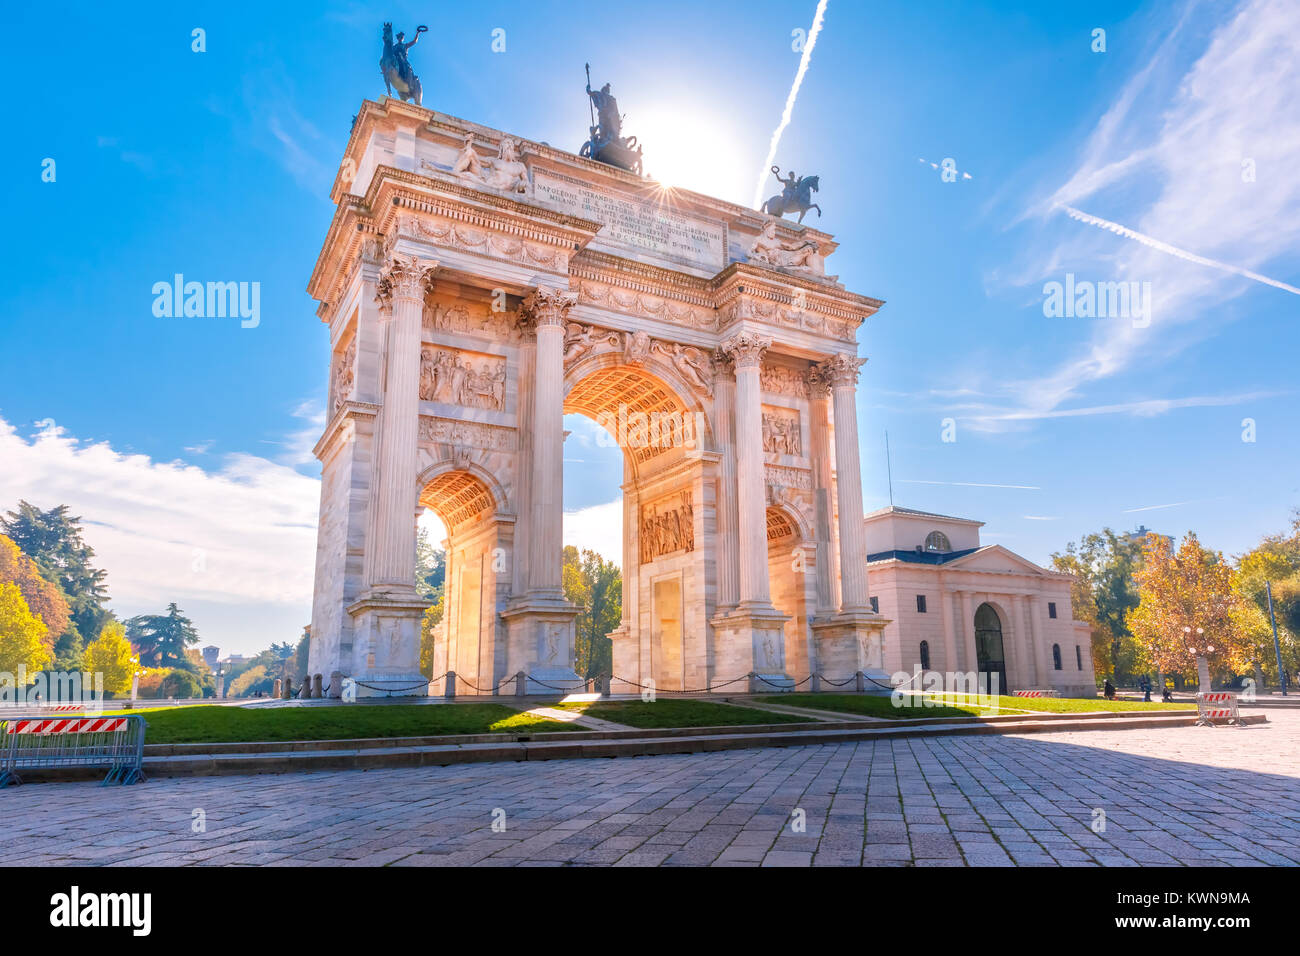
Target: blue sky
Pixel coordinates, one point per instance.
(185, 443)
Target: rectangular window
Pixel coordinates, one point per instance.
(875, 605)
(1051, 609)
(920, 604)
(1078, 656)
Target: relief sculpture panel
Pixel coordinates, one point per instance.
(667, 526)
(462, 378)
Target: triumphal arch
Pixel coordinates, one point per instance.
(477, 288)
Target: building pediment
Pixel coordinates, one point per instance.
(996, 558)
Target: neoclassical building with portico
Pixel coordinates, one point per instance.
(958, 606)
(476, 288)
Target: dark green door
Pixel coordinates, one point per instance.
(988, 648)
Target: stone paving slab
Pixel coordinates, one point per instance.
(1169, 795)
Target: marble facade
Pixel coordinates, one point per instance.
(477, 287)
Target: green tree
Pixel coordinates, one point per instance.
(111, 654)
(1274, 562)
(596, 587)
(1104, 592)
(249, 682)
(53, 540)
(22, 635)
(162, 639)
(430, 567)
(180, 683)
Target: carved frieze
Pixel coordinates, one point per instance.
(783, 380)
(470, 239)
(466, 434)
(472, 319)
(632, 302)
(781, 432)
(693, 364)
(782, 476)
(344, 375)
(462, 378)
(667, 527)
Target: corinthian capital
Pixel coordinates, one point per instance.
(746, 350)
(819, 383)
(547, 306)
(404, 277)
(841, 369)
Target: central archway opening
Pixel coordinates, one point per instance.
(632, 520)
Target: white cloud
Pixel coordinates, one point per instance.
(1177, 136)
(598, 528)
(242, 537)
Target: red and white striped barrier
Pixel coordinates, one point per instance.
(68, 725)
(1216, 705)
(1033, 693)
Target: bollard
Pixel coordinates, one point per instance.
(336, 684)
(451, 684)
(288, 689)
(815, 683)
(276, 689)
(861, 682)
(604, 685)
(304, 692)
(316, 687)
(521, 684)
(753, 682)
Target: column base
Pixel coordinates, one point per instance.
(541, 630)
(849, 642)
(751, 643)
(386, 643)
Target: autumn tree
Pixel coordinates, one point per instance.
(43, 597)
(1102, 595)
(1273, 565)
(111, 654)
(22, 634)
(1188, 608)
(52, 539)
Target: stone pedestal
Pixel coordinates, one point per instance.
(386, 646)
(541, 635)
(754, 638)
(849, 642)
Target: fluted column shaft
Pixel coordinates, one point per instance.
(842, 373)
(547, 308)
(391, 551)
(827, 561)
(724, 398)
(746, 352)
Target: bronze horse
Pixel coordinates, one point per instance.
(396, 69)
(796, 197)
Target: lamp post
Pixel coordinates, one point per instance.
(1202, 662)
(1277, 648)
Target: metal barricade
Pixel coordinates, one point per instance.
(113, 743)
(1034, 693)
(1220, 706)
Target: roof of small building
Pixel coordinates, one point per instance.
(913, 513)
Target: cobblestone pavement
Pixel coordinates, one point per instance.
(1174, 796)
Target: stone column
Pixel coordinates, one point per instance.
(547, 309)
(842, 374)
(819, 394)
(386, 617)
(746, 352)
(724, 403)
(750, 637)
(950, 664)
(968, 631)
(390, 549)
(541, 621)
(1042, 668)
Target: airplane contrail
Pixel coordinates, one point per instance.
(1174, 250)
(789, 101)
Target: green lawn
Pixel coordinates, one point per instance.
(960, 705)
(1073, 705)
(675, 712)
(183, 725)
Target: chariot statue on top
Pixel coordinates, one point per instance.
(607, 144)
(396, 68)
